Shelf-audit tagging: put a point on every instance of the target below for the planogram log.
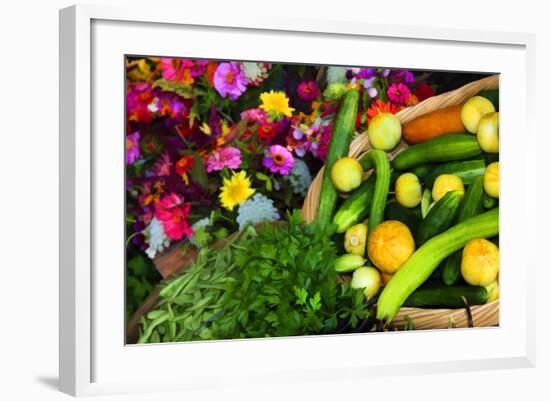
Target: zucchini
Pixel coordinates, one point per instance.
(356, 207)
(467, 170)
(381, 187)
(443, 148)
(426, 259)
(342, 134)
(447, 297)
(394, 211)
(492, 95)
(440, 217)
(471, 206)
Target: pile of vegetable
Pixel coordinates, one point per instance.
(421, 230)
(277, 280)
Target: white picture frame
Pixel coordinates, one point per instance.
(93, 356)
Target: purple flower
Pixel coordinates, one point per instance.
(308, 91)
(367, 83)
(278, 160)
(229, 80)
(404, 75)
(366, 73)
(132, 148)
(229, 157)
(372, 92)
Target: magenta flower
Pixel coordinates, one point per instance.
(398, 93)
(308, 91)
(229, 157)
(132, 148)
(229, 80)
(278, 160)
(173, 212)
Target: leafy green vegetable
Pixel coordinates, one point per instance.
(278, 280)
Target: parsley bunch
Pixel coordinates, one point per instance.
(275, 281)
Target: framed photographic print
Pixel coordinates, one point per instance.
(307, 189)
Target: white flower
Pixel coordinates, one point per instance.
(156, 238)
(299, 177)
(336, 75)
(255, 210)
(255, 73)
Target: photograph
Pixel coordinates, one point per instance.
(267, 199)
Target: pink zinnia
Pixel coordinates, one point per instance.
(132, 148)
(398, 93)
(172, 212)
(229, 80)
(278, 160)
(308, 91)
(176, 69)
(255, 115)
(229, 157)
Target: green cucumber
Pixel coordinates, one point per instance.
(425, 260)
(469, 208)
(356, 207)
(381, 188)
(443, 148)
(467, 170)
(492, 95)
(422, 171)
(394, 211)
(440, 217)
(338, 147)
(472, 200)
(447, 297)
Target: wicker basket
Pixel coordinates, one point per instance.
(482, 315)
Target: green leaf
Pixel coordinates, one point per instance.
(185, 91)
(301, 294)
(315, 302)
(261, 176)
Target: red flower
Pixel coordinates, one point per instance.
(184, 164)
(382, 107)
(423, 91)
(267, 131)
(172, 212)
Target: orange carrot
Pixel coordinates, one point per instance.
(438, 122)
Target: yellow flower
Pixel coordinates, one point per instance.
(205, 128)
(139, 70)
(235, 190)
(276, 102)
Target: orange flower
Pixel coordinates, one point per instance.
(210, 71)
(382, 107)
(412, 100)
